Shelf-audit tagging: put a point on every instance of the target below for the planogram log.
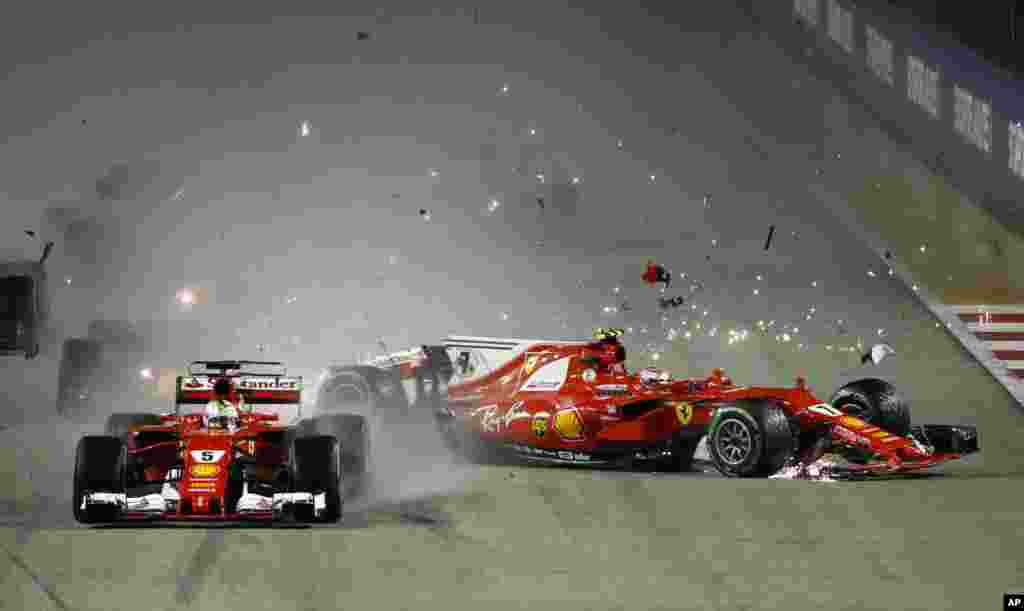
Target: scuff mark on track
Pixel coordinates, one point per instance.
(44, 587)
(203, 559)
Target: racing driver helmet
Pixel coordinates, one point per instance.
(610, 353)
(222, 411)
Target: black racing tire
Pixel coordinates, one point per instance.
(750, 438)
(353, 434)
(100, 466)
(876, 402)
(316, 468)
(118, 425)
(361, 389)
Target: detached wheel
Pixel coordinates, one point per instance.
(874, 401)
(750, 439)
(316, 468)
(99, 467)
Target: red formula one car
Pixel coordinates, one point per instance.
(216, 460)
(575, 402)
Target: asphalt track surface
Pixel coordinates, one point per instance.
(512, 537)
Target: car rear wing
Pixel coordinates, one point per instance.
(237, 368)
(254, 389)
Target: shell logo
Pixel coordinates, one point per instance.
(569, 425)
(205, 470)
(539, 424)
(684, 412)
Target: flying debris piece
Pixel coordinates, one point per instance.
(618, 144)
(540, 177)
(146, 374)
(434, 173)
(425, 214)
(768, 242)
(707, 201)
(30, 233)
(533, 131)
(656, 273)
(924, 247)
(888, 255)
(504, 316)
(871, 273)
(304, 128)
(362, 36)
(492, 206)
(47, 249)
(672, 302)
(877, 353)
(576, 180)
(504, 89)
(796, 235)
(105, 189)
(653, 177)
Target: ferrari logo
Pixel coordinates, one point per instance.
(684, 411)
(539, 425)
(531, 363)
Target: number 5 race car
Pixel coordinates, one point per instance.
(575, 402)
(221, 462)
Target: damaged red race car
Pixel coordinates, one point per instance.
(575, 402)
(222, 455)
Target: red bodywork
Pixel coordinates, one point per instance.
(205, 456)
(597, 409)
(598, 406)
